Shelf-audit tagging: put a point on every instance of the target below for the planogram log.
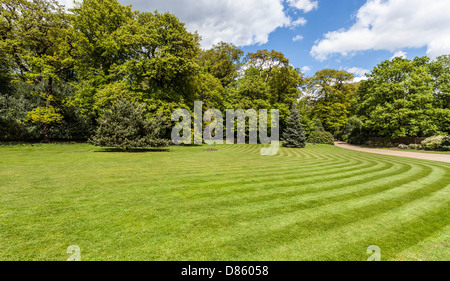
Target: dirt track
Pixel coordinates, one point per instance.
(417, 155)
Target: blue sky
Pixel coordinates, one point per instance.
(353, 35)
(331, 15)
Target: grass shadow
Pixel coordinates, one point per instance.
(134, 150)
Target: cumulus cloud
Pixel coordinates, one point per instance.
(304, 5)
(300, 21)
(228, 20)
(306, 69)
(391, 25)
(241, 23)
(359, 79)
(297, 38)
(400, 54)
(360, 73)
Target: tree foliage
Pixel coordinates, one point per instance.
(222, 61)
(124, 126)
(401, 98)
(36, 45)
(294, 135)
(60, 70)
(332, 91)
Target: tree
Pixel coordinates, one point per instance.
(265, 61)
(440, 72)
(150, 55)
(124, 126)
(162, 57)
(284, 85)
(294, 135)
(222, 61)
(333, 92)
(398, 99)
(36, 39)
(210, 91)
(97, 25)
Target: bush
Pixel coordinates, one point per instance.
(437, 143)
(414, 146)
(322, 137)
(403, 146)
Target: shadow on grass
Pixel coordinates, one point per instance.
(134, 150)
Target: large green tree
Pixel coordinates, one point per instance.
(332, 91)
(36, 44)
(265, 61)
(398, 99)
(282, 82)
(148, 57)
(222, 61)
(440, 72)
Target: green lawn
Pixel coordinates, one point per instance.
(318, 203)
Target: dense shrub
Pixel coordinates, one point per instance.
(125, 126)
(354, 132)
(322, 137)
(403, 146)
(437, 143)
(15, 106)
(415, 146)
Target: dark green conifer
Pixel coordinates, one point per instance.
(294, 134)
(125, 126)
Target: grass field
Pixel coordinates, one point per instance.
(318, 203)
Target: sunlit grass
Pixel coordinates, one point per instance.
(317, 203)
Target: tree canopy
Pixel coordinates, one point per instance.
(60, 70)
(403, 98)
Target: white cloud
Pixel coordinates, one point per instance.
(237, 22)
(392, 25)
(359, 79)
(242, 23)
(400, 54)
(67, 3)
(360, 73)
(297, 38)
(304, 5)
(306, 69)
(300, 21)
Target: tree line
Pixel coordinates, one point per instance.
(62, 73)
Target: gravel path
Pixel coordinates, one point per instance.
(417, 155)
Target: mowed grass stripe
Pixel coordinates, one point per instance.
(284, 206)
(198, 225)
(322, 219)
(392, 231)
(323, 203)
(280, 206)
(303, 185)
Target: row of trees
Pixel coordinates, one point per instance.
(61, 70)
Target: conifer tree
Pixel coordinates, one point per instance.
(125, 126)
(294, 135)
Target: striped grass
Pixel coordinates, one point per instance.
(317, 203)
